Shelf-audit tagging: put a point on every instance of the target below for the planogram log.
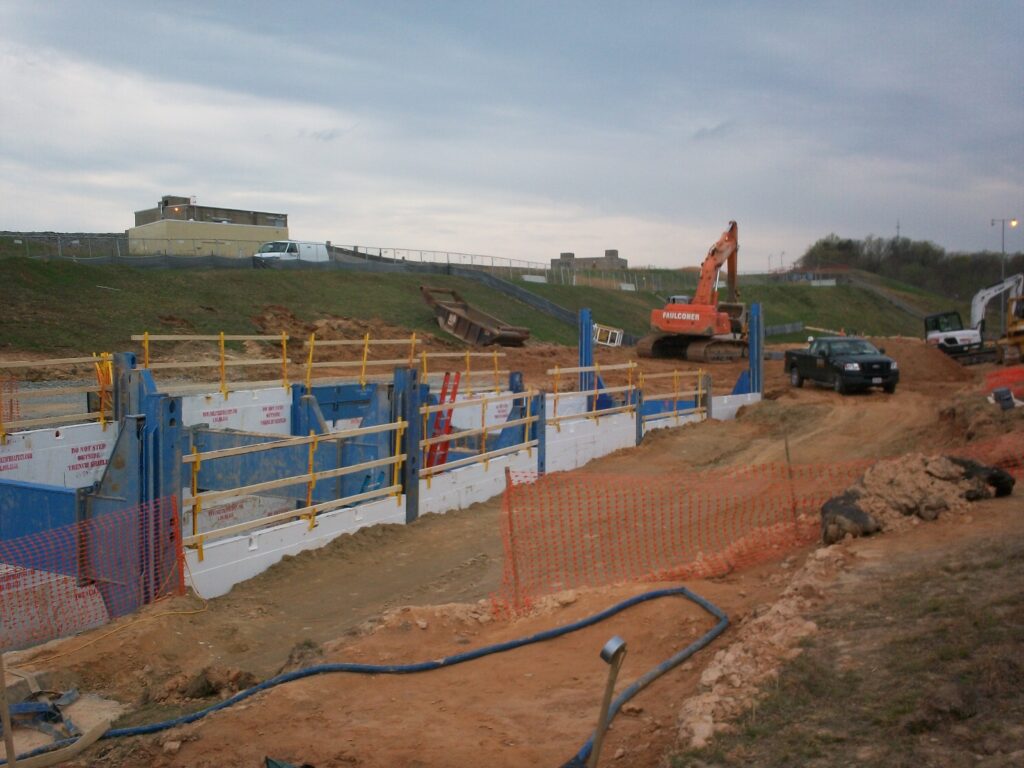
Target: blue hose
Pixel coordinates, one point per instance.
(426, 666)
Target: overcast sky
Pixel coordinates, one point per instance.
(523, 129)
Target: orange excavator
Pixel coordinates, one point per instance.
(699, 327)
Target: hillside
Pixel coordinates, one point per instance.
(63, 306)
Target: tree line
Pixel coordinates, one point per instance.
(921, 263)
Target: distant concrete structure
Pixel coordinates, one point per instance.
(179, 226)
(609, 262)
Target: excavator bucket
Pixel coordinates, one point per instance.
(455, 316)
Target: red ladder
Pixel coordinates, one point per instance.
(437, 453)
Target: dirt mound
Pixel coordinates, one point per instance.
(974, 418)
(893, 494)
(921, 363)
(765, 638)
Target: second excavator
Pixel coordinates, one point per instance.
(699, 327)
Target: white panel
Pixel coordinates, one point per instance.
(469, 418)
(233, 560)
(670, 421)
(724, 407)
(465, 486)
(28, 596)
(71, 456)
(252, 410)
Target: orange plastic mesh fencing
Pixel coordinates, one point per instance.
(585, 529)
(67, 579)
(1012, 378)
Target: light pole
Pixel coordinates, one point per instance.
(1002, 268)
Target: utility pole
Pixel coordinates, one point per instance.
(1002, 268)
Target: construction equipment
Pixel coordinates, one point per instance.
(700, 328)
(966, 345)
(457, 317)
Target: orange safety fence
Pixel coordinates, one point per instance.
(1012, 378)
(586, 529)
(63, 580)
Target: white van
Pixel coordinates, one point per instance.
(290, 250)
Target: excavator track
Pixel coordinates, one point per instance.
(697, 350)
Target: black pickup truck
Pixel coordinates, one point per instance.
(844, 363)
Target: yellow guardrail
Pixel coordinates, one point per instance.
(197, 499)
(11, 394)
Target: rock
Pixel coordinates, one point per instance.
(304, 653)
(200, 686)
(620, 753)
(632, 709)
(421, 623)
(842, 515)
(567, 598)
(172, 747)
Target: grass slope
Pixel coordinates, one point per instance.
(63, 306)
(73, 307)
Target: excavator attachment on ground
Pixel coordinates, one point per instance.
(457, 317)
(698, 327)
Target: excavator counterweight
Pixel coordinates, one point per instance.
(699, 328)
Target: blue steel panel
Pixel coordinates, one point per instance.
(27, 508)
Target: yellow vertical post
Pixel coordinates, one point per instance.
(223, 368)
(483, 448)
(412, 348)
(284, 361)
(145, 349)
(309, 363)
(98, 365)
(526, 429)
(311, 483)
(196, 503)
(629, 382)
(423, 364)
(700, 393)
(468, 375)
(554, 407)
(597, 375)
(397, 466)
(362, 369)
(675, 395)
(497, 388)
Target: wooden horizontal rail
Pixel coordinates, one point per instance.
(313, 509)
(672, 414)
(213, 388)
(208, 497)
(463, 433)
(475, 402)
(439, 375)
(462, 355)
(602, 391)
(593, 368)
(62, 419)
(53, 362)
(356, 363)
(42, 393)
(591, 414)
(341, 434)
(669, 375)
(672, 395)
(206, 337)
(214, 364)
(359, 342)
(431, 471)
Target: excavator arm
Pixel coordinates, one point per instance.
(981, 299)
(723, 252)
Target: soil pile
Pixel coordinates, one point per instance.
(921, 363)
(766, 637)
(894, 494)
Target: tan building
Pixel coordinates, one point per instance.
(180, 227)
(609, 262)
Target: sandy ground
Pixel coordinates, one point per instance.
(382, 594)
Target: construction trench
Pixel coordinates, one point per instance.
(533, 576)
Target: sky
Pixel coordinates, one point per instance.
(523, 129)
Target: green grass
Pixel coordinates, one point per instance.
(73, 307)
